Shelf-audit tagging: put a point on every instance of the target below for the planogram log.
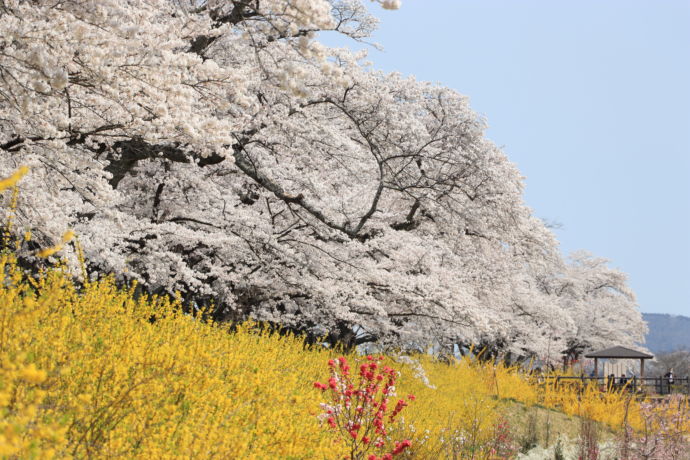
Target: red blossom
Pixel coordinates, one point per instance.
(401, 446)
(361, 407)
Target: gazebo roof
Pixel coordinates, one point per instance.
(620, 353)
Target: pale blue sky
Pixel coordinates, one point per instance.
(591, 99)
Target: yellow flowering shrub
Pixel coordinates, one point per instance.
(459, 412)
(97, 371)
(94, 370)
(588, 401)
(91, 373)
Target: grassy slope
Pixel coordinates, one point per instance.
(549, 423)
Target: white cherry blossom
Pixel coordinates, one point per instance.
(216, 148)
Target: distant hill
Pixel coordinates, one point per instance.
(667, 332)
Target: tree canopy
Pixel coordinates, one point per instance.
(218, 149)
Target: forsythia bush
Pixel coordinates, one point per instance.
(611, 408)
(87, 372)
(94, 371)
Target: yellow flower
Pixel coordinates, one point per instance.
(47, 252)
(69, 234)
(14, 178)
(33, 375)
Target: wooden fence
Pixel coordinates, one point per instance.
(659, 385)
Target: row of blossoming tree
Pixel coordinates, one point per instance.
(218, 149)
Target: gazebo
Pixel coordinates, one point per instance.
(618, 353)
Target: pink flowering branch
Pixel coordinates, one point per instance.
(359, 409)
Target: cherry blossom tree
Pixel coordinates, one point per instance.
(216, 148)
(601, 304)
